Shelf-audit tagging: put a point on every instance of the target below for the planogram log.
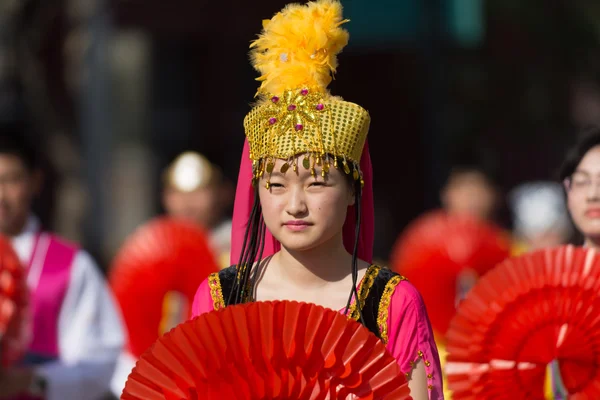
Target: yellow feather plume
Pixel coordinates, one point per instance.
(298, 47)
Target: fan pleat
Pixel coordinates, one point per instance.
(268, 350)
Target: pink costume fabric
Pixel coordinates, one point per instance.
(51, 260)
(410, 335)
(49, 293)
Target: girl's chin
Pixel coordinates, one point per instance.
(299, 242)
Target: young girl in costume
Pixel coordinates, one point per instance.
(303, 218)
(580, 174)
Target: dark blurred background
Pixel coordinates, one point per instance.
(114, 89)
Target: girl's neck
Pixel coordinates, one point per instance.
(324, 264)
(592, 243)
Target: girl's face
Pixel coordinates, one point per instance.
(303, 211)
(583, 194)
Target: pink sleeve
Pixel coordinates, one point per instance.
(411, 337)
(203, 302)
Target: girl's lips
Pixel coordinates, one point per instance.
(593, 213)
(297, 225)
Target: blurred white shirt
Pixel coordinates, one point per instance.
(90, 331)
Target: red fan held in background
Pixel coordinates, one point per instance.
(530, 329)
(268, 350)
(443, 256)
(155, 276)
(13, 306)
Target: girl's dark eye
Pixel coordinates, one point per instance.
(317, 184)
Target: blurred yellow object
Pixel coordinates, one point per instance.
(548, 392)
(175, 310)
(223, 260)
(441, 346)
(518, 248)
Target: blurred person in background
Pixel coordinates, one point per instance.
(540, 216)
(76, 332)
(580, 174)
(196, 190)
(444, 252)
(461, 236)
(162, 262)
(471, 187)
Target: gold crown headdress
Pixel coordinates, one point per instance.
(296, 114)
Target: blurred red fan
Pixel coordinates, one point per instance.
(13, 306)
(443, 256)
(155, 276)
(530, 330)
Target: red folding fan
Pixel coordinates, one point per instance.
(13, 305)
(443, 255)
(268, 350)
(528, 314)
(155, 276)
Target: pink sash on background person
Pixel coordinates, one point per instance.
(244, 199)
(54, 272)
(48, 277)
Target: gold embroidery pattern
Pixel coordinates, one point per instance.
(364, 288)
(384, 303)
(246, 294)
(216, 293)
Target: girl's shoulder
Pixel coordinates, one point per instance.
(210, 294)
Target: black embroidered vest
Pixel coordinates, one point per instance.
(374, 294)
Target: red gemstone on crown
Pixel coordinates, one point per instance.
(272, 120)
(299, 127)
(304, 92)
(320, 107)
(291, 107)
(274, 99)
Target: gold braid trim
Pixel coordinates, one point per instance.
(384, 305)
(427, 363)
(216, 293)
(363, 291)
(247, 296)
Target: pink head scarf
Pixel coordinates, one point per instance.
(244, 199)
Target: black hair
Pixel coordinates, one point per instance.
(475, 159)
(254, 243)
(588, 138)
(14, 140)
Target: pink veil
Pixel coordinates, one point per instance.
(244, 198)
